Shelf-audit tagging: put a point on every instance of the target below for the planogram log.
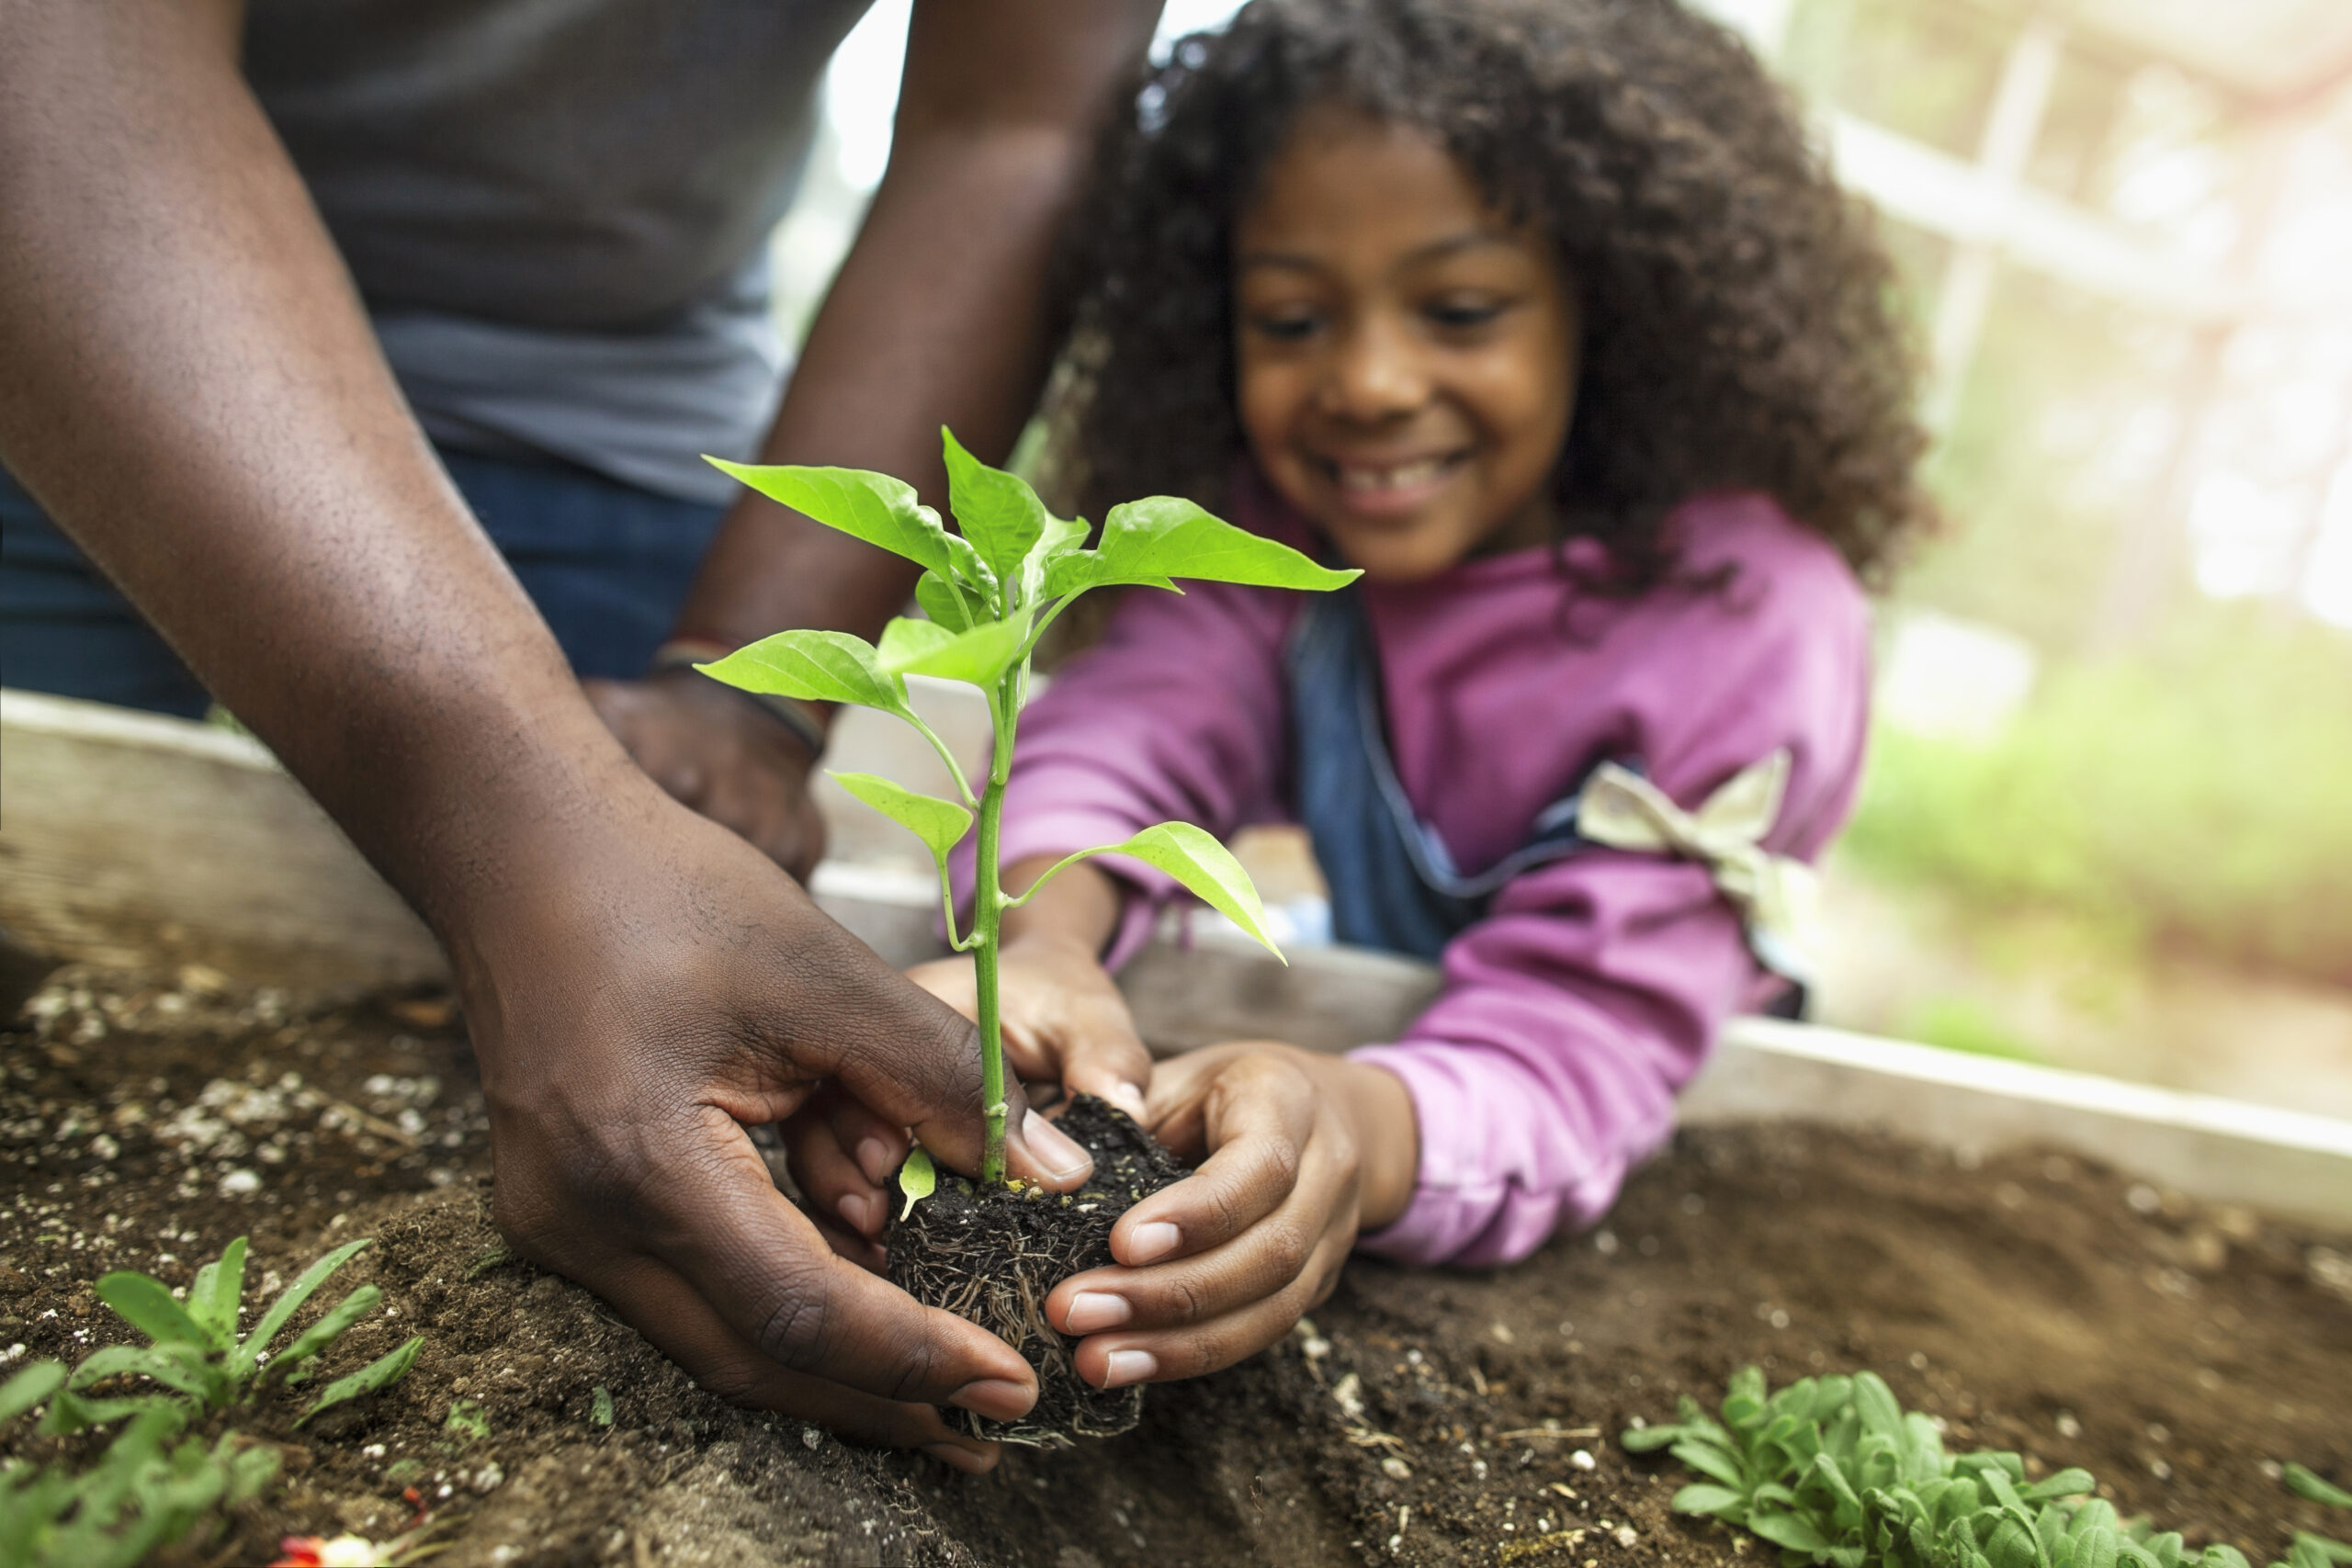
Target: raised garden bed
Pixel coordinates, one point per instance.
(2032, 1301)
(2156, 1326)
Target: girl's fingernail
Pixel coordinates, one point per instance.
(994, 1398)
(1129, 1366)
(874, 1159)
(854, 1209)
(1127, 1098)
(1062, 1159)
(1091, 1311)
(1155, 1240)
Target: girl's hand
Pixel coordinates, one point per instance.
(1063, 1018)
(1302, 1149)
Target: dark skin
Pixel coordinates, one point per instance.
(915, 334)
(195, 395)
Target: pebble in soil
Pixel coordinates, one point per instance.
(993, 1255)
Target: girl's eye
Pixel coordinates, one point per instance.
(1461, 314)
(1286, 327)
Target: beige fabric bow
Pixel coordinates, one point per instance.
(1777, 898)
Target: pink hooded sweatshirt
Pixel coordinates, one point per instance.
(1595, 986)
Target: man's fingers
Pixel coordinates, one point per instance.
(830, 1177)
(769, 1276)
(723, 1361)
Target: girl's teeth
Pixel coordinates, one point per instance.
(1365, 479)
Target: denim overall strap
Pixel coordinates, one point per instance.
(1393, 883)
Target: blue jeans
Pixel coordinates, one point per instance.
(605, 563)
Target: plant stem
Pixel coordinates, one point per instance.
(988, 920)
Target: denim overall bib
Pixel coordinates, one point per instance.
(1393, 883)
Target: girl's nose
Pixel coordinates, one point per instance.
(1374, 374)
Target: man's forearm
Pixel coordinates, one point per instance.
(940, 315)
(194, 393)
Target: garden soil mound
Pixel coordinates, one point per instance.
(2033, 1302)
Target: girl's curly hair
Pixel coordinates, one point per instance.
(1739, 330)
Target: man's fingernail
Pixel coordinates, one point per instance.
(874, 1159)
(1155, 1240)
(966, 1459)
(1062, 1159)
(1127, 1098)
(994, 1398)
(1130, 1366)
(1092, 1310)
(855, 1209)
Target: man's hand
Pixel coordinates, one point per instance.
(717, 752)
(661, 989)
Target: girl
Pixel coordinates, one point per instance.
(1542, 314)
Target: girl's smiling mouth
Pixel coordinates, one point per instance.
(1389, 487)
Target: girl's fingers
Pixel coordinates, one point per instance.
(1263, 1262)
(1256, 1117)
(1117, 1357)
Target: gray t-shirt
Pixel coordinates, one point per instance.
(556, 210)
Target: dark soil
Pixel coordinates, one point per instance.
(2035, 1303)
(993, 1255)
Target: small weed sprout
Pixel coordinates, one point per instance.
(989, 593)
(145, 1491)
(195, 1351)
(1835, 1472)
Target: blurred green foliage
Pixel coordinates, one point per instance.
(1961, 1023)
(2193, 796)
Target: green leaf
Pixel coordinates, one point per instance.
(1709, 1460)
(2095, 1548)
(147, 1305)
(2303, 1484)
(997, 512)
(2321, 1548)
(300, 1291)
(1717, 1501)
(917, 1179)
(1149, 542)
(942, 603)
(600, 1405)
(1790, 1531)
(864, 504)
(328, 1329)
(467, 1420)
(824, 667)
(175, 1366)
(29, 1387)
(70, 1411)
(979, 657)
(212, 1298)
(1648, 1439)
(2066, 1484)
(1194, 857)
(382, 1372)
(940, 824)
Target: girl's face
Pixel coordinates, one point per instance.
(1407, 357)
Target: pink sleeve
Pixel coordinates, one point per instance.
(1176, 714)
(1596, 986)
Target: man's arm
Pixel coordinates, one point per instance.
(939, 317)
(193, 392)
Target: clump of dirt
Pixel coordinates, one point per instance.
(2034, 1302)
(992, 1256)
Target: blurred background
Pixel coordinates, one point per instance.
(2108, 822)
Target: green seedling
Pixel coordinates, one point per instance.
(1835, 1472)
(144, 1493)
(194, 1349)
(989, 593)
(2317, 1551)
(466, 1421)
(600, 1405)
